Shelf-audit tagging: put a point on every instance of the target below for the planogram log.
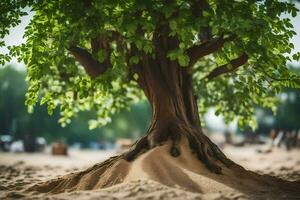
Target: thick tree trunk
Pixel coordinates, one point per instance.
(169, 90)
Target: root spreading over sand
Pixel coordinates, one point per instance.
(184, 173)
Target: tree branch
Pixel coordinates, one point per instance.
(199, 6)
(279, 79)
(103, 41)
(229, 67)
(198, 51)
(92, 67)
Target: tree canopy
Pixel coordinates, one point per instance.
(80, 54)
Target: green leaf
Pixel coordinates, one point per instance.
(134, 60)
(183, 60)
(101, 55)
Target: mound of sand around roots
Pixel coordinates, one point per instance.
(185, 172)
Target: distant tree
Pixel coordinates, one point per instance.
(100, 55)
(12, 90)
(16, 121)
(289, 106)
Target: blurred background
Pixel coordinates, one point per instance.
(18, 125)
(21, 131)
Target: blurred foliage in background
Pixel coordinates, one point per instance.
(16, 121)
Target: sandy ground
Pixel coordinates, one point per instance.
(18, 171)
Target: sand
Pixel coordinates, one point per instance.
(155, 175)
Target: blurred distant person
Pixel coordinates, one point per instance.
(41, 144)
(272, 136)
(29, 142)
(17, 146)
(228, 137)
(294, 138)
(298, 139)
(5, 142)
(288, 140)
(279, 138)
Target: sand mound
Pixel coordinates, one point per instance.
(188, 173)
(185, 172)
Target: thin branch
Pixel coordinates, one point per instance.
(279, 79)
(229, 67)
(92, 67)
(198, 51)
(103, 41)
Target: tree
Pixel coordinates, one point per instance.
(12, 98)
(100, 55)
(290, 107)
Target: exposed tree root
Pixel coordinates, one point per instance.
(208, 152)
(200, 144)
(90, 177)
(139, 147)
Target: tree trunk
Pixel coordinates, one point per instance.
(169, 90)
